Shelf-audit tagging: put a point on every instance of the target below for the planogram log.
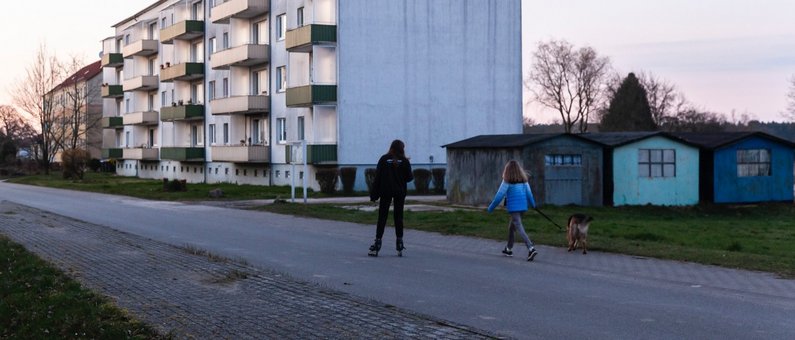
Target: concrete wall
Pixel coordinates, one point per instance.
(630, 189)
(729, 188)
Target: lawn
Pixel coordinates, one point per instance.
(39, 302)
(754, 237)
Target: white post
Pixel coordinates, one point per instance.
(306, 173)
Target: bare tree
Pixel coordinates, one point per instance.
(790, 112)
(568, 80)
(664, 99)
(79, 94)
(33, 95)
(14, 125)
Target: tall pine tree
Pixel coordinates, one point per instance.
(629, 108)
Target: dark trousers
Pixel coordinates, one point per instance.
(383, 214)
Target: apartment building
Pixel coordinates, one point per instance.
(77, 111)
(227, 91)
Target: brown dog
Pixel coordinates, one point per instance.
(577, 231)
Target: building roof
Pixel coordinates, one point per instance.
(84, 74)
(616, 139)
(508, 141)
(136, 15)
(714, 140)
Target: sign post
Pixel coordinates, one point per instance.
(298, 147)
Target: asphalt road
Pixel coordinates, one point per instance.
(465, 280)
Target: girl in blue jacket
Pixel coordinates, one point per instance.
(516, 191)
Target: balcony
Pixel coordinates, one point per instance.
(142, 83)
(303, 38)
(112, 91)
(141, 118)
(141, 154)
(144, 47)
(241, 154)
(112, 153)
(183, 71)
(182, 112)
(183, 30)
(237, 9)
(245, 55)
(240, 105)
(183, 154)
(112, 122)
(112, 60)
(305, 96)
(316, 153)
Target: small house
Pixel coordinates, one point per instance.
(744, 167)
(563, 168)
(648, 168)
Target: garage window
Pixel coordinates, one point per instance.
(563, 160)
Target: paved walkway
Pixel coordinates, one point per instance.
(193, 295)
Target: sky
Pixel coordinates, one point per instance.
(724, 55)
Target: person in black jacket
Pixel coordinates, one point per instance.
(391, 175)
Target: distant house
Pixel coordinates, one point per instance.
(648, 168)
(78, 110)
(564, 168)
(744, 167)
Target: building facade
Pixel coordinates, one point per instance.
(231, 91)
(77, 111)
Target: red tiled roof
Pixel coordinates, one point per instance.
(83, 74)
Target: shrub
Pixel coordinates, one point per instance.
(369, 178)
(94, 164)
(438, 180)
(74, 163)
(327, 178)
(175, 185)
(348, 177)
(422, 177)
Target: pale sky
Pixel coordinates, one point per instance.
(723, 54)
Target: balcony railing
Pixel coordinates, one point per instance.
(303, 38)
(315, 153)
(144, 47)
(183, 30)
(141, 118)
(183, 71)
(184, 154)
(238, 9)
(309, 95)
(182, 112)
(112, 122)
(240, 105)
(242, 154)
(142, 83)
(245, 55)
(112, 153)
(112, 91)
(141, 154)
(112, 60)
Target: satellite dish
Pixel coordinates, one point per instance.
(100, 54)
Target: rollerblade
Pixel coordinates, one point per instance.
(399, 246)
(375, 248)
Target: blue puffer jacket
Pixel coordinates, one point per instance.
(519, 197)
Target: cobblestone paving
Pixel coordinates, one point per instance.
(193, 295)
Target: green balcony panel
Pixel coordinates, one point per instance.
(309, 95)
(183, 154)
(112, 60)
(112, 91)
(183, 71)
(112, 122)
(182, 112)
(183, 30)
(316, 153)
(112, 153)
(303, 38)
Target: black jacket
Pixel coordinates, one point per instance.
(390, 180)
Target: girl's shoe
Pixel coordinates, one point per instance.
(375, 248)
(399, 246)
(531, 254)
(507, 251)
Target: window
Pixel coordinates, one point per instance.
(300, 16)
(656, 163)
(281, 26)
(753, 162)
(563, 160)
(212, 134)
(151, 138)
(255, 132)
(281, 126)
(225, 40)
(151, 101)
(163, 99)
(211, 89)
(301, 128)
(281, 79)
(211, 46)
(196, 11)
(152, 34)
(226, 133)
(226, 87)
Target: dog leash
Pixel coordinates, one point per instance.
(548, 219)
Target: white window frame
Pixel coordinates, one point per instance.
(281, 79)
(754, 163)
(281, 26)
(281, 130)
